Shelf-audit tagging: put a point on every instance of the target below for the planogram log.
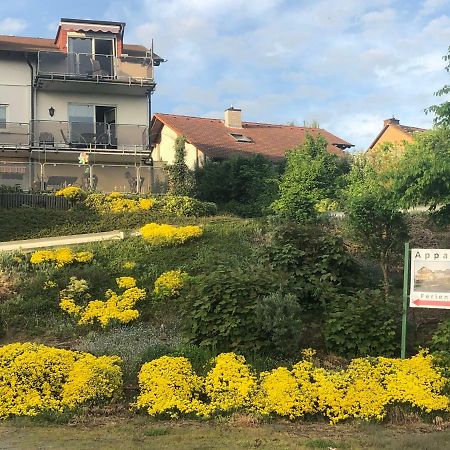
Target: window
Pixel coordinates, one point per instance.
(3, 116)
(241, 138)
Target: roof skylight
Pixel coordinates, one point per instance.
(241, 138)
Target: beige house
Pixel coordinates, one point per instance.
(74, 110)
(394, 133)
(221, 138)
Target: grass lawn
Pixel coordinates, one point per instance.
(238, 433)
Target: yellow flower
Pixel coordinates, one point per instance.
(163, 234)
(125, 282)
(120, 307)
(60, 257)
(35, 378)
(169, 284)
(129, 265)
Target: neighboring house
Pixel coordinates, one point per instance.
(394, 133)
(219, 139)
(75, 110)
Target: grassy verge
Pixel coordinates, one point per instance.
(236, 433)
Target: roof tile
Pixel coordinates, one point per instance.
(213, 138)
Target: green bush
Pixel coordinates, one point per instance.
(441, 338)
(279, 324)
(312, 174)
(313, 263)
(244, 185)
(179, 205)
(363, 324)
(220, 307)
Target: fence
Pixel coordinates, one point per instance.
(18, 199)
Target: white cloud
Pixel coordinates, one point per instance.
(347, 64)
(11, 25)
(432, 6)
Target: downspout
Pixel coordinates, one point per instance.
(32, 96)
(31, 124)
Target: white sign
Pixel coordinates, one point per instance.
(430, 278)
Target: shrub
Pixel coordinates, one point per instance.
(244, 185)
(365, 390)
(180, 205)
(72, 193)
(115, 307)
(181, 179)
(279, 324)
(312, 174)
(311, 263)
(36, 379)
(220, 307)
(230, 383)
(117, 202)
(60, 257)
(168, 385)
(169, 284)
(361, 324)
(163, 234)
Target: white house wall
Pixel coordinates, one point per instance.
(130, 110)
(15, 89)
(165, 149)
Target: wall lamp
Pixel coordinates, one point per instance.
(51, 111)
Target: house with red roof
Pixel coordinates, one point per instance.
(219, 139)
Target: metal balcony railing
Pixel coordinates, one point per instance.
(14, 134)
(130, 69)
(94, 135)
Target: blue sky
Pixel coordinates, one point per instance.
(348, 64)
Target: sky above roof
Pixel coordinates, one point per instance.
(347, 65)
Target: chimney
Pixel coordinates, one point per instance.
(233, 118)
(391, 121)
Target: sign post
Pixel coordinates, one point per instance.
(429, 281)
(405, 300)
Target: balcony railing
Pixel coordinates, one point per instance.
(88, 66)
(95, 135)
(14, 134)
(66, 135)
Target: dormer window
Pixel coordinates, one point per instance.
(241, 138)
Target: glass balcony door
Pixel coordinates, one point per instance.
(82, 124)
(80, 56)
(104, 56)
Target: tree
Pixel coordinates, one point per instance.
(245, 185)
(442, 111)
(180, 178)
(423, 173)
(312, 174)
(373, 216)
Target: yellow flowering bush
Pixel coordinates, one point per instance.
(168, 385)
(35, 378)
(364, 390)
(163, 234)
(117, 202)
(169, 284)
(72, 193)
(116, 306)
(126, 282)
(60, 257)
(230, 384)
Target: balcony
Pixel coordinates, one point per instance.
(14, 135)
(83, 72)
(50, 134)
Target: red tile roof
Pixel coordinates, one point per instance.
(213, 138)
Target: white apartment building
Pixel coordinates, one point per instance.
(75, 110)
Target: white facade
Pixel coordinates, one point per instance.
(57, 103)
